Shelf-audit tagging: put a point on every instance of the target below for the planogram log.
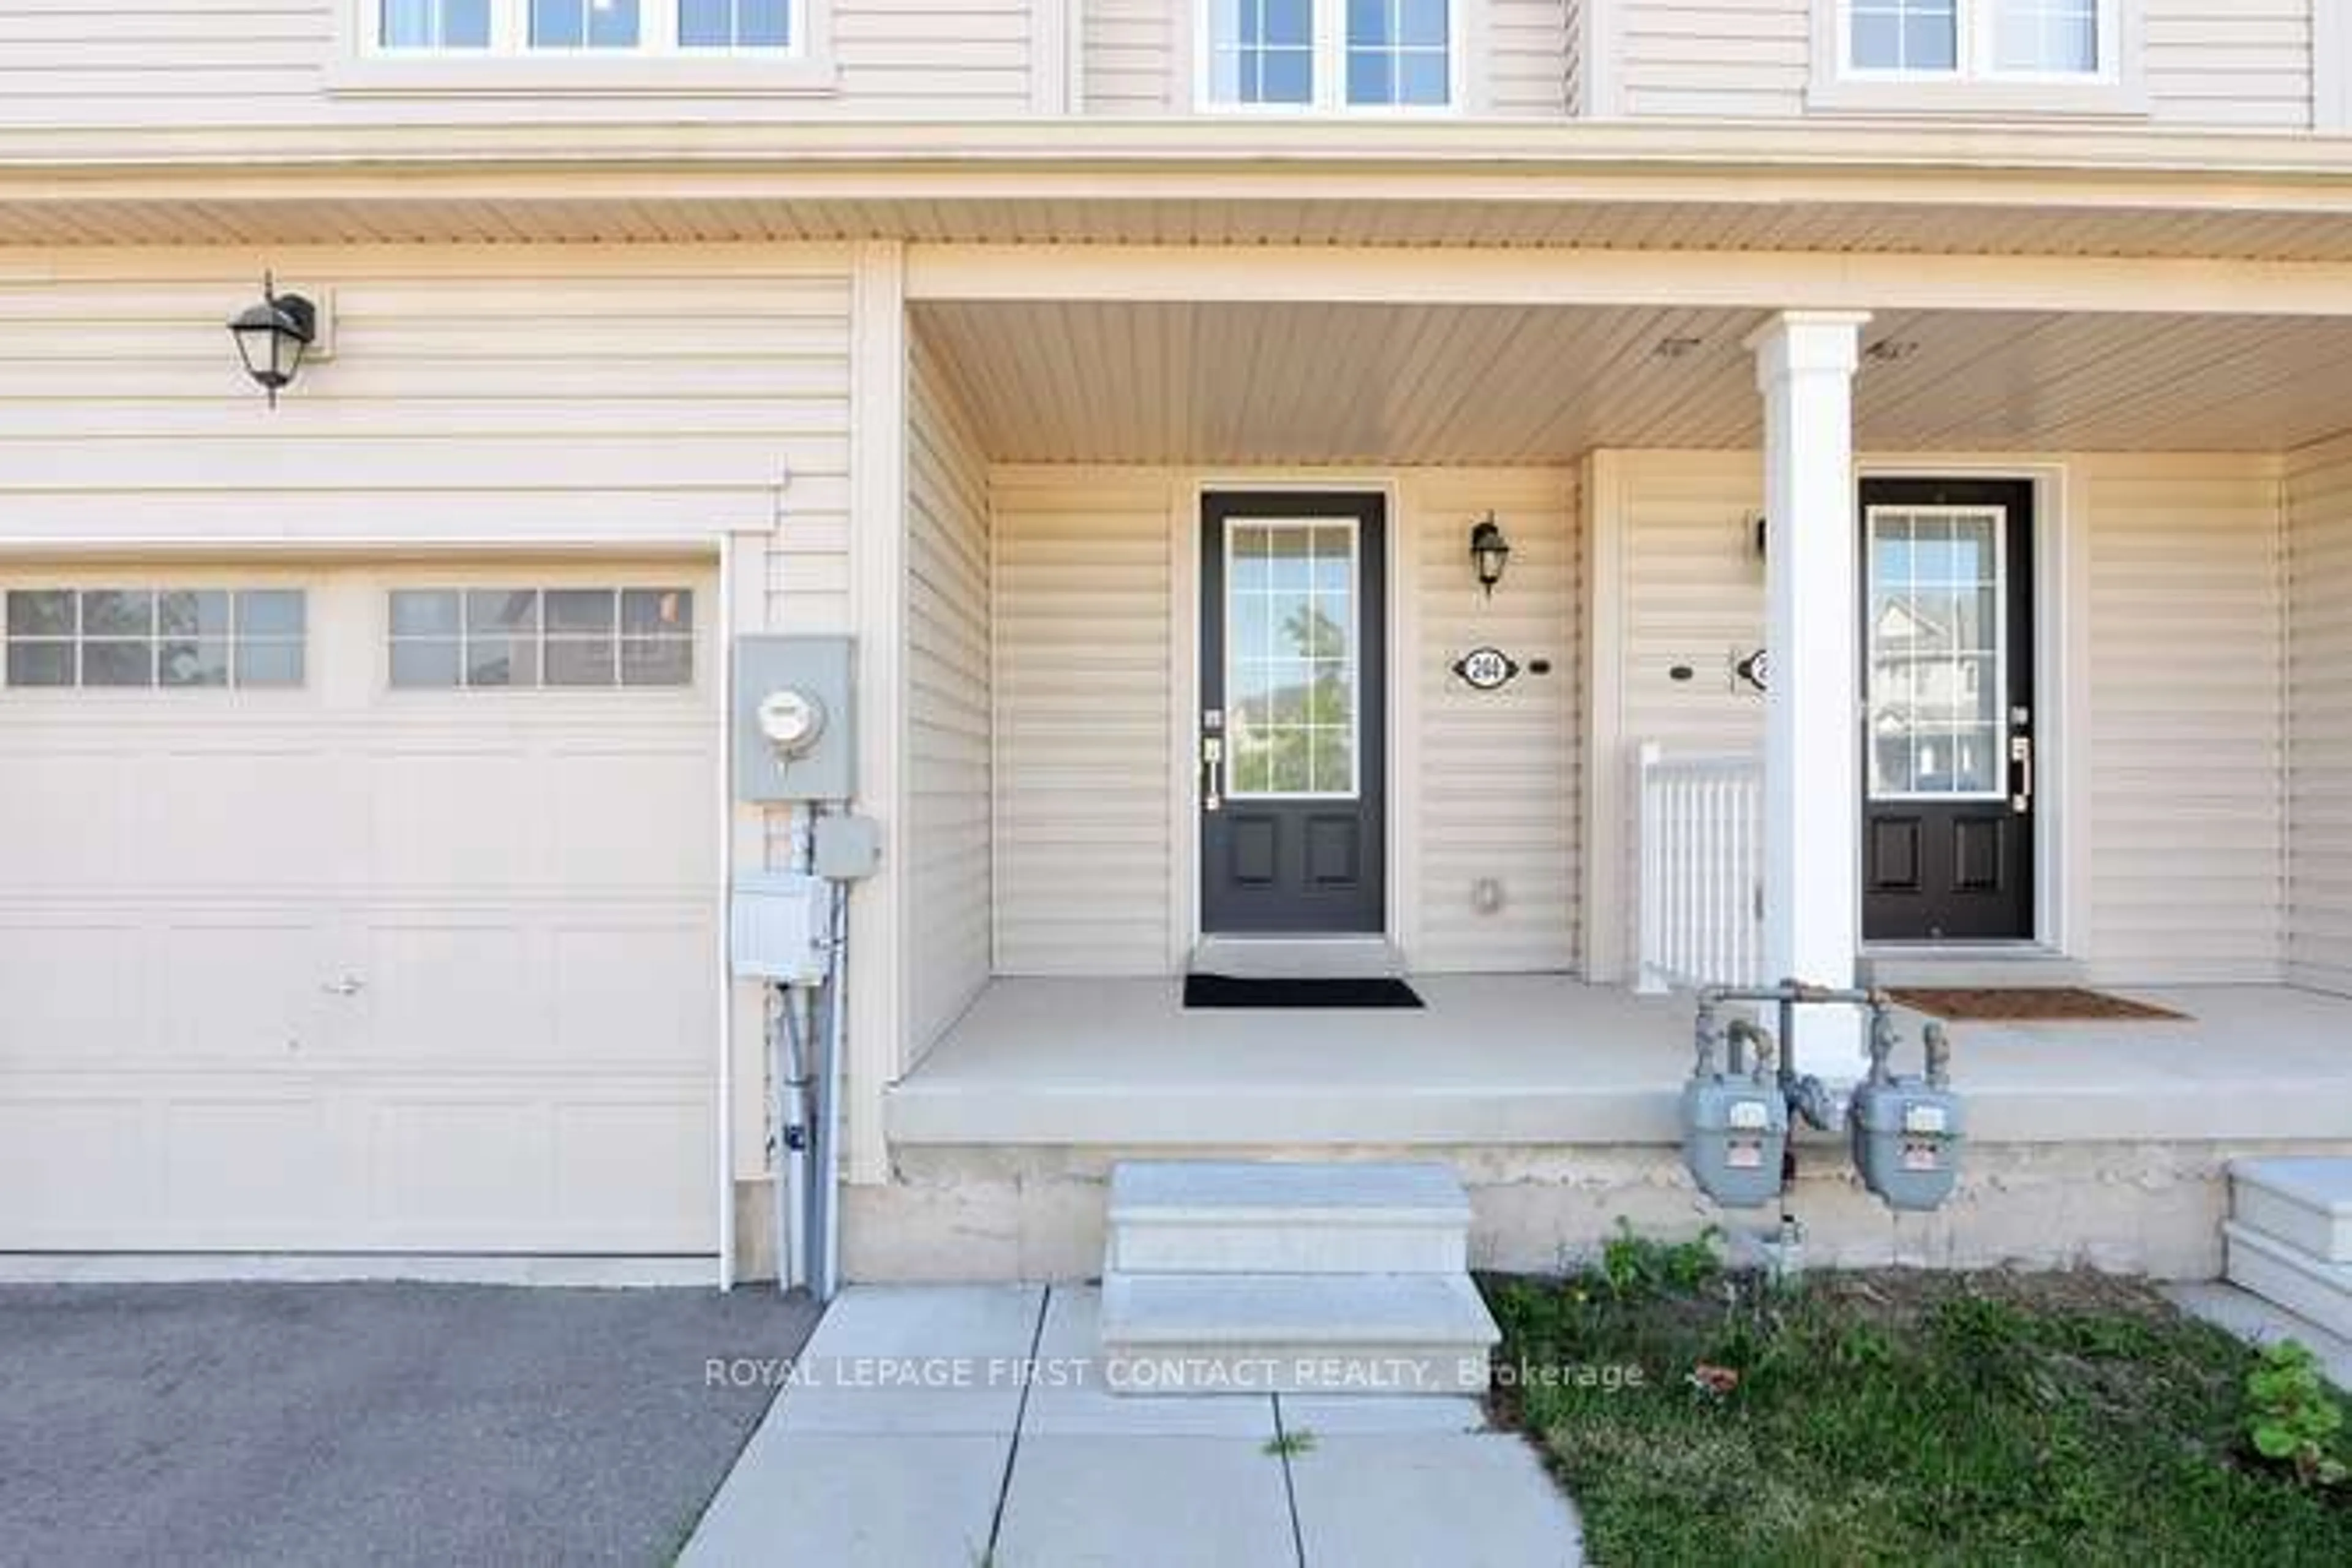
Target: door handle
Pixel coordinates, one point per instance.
(2020, 758)
(349, 985)
(1213, 763)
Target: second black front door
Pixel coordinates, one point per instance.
(1292, 725)
(1947, 670)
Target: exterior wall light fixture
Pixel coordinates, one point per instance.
(273, 336)
(1489, 551)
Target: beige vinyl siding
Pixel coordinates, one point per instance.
(2185, 737)
(1526, 50)
(1714, 58)
(2205, 62)
(2180, 621)
(88, 62)
(512, 395)
(1690, 589)
(1085, 677)
(2230, 62)
(948, 709)
(2319, 716)
(1501, 773)
(1135, 57)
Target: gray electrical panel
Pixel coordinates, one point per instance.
(795, 735)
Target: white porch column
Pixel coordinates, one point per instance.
(1805, 361)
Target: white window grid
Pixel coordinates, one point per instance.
(1329, 70)
(472, 643)
(171, 652)
(1978, 54)
(1989, 653)
(1350, 670)
(658, 23)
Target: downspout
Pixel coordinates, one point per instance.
(726, 981)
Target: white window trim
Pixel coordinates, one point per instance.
(2117, 88)
(1330, 67)
(657, 65)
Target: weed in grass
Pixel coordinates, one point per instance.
(2292, 1416)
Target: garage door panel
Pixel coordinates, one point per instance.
(238, 820)
(661, 1189)
(477, 1173)
(253, 1173)
(75, 1171)
(635, 994)
(445, 994)
(73, 993)
(663, 796)
(66, 823)
(246, 992)
(460, 817)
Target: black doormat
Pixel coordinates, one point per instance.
(1235, 991)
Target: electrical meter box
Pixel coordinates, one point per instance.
(780, 927)
(794, 738)
(1907, 1141)
(1734, 1135)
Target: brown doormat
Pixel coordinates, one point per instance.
(2026, 1005)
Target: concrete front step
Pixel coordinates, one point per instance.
(2303, 1201)
(1992, 968)
(2290, 1277)
(1296, 1333)
(1192, 1217)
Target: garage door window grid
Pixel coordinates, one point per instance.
(183, 638)
(510, 638)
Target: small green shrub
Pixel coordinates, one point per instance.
(2292, 1416)
(1635, 1265)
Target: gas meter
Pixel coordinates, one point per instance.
(1906, 1130)
(1735, 1124)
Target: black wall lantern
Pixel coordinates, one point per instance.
(1489, 551)
(273, 336)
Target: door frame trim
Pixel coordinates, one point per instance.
(1187, 496)
(2061, 657)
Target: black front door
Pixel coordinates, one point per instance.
(1947, 680)
(1293, 731)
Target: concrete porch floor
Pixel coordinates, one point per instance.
(1548, 1060)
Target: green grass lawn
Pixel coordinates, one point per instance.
(1896, 1417)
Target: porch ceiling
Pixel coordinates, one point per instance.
(1059, 380)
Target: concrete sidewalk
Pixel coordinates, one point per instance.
(947, 1426)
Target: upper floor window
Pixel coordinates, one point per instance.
(555, 26)
(1330, 54)
(1980, 39)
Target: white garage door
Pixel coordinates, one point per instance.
(358, 908)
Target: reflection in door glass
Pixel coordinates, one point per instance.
(1936, 640)
(1290, 658)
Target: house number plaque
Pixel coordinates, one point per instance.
(1486, 668)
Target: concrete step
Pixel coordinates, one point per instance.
(1201, 1216)
(1952, 969)
(2309, 1287)
(2303, 1201)
(1299, 957)
(1296, 1333)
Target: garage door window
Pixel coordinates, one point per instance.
(146, 637)
(556, 637)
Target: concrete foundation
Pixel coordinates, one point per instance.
(975, 1213)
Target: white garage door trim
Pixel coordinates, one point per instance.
(338, 580)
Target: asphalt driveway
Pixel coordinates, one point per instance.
(285, 1424)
